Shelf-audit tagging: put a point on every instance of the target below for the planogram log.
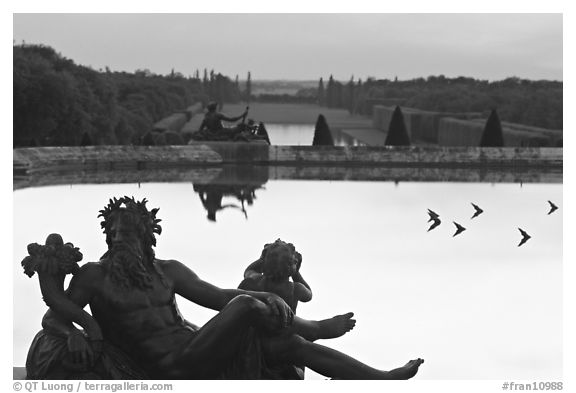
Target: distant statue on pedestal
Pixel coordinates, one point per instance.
(212, 128)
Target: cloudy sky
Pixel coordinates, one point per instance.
(307, 46)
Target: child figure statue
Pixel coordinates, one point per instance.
(272, 272)
(278, 263)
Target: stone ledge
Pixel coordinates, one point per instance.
(222, 153)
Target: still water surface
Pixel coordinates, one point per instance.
(303, 135)
(474, 306)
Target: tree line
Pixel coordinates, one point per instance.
(59, 103)
(535, 103)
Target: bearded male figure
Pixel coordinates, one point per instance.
(131, 294)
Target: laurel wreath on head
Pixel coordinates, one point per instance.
(138, 208)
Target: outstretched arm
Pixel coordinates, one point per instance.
(188, 285)
(226, 118)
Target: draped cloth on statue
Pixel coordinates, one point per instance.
(48, 358)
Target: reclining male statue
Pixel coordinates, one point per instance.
(131, 295)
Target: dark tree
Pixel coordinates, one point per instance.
(57, 101)
(86, 140)
(330, 93)
(492, 135)
(338, 96)
(321, 93)
(248, 87)
(148, 139)
(348, 99)
(359, 98)
(397, 133)
(205, 81)
(322, 134)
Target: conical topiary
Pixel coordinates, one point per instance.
(397, 133)
(492, 135)
(322, 134)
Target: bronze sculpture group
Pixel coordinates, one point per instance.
(135, 330)
(212, 128)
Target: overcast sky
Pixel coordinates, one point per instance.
(307, 46)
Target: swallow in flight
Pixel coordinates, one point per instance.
(477, 212)
(553, 207)
(525, 237)
(459, 229)
(433, 215)
(434, 224)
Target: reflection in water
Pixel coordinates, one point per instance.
(342, 139)
(211, 196)
(237, 182)
(303, 135)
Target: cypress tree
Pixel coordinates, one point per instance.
(338, 95)
(205, 81)
(211, 86)
(349, 95)
(330, 92)
(248, 87)
(321, 95)
(322, 134)
(492, 135)
(359, 98)
(397, 133)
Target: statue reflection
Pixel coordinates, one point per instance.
(212, 196)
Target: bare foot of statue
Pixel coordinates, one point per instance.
(407, 371)
(336, 326)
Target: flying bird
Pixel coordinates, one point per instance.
(477, 212)
(525, 237)
(459, 229)
(434, 224)
(433, 215)
(553, 207)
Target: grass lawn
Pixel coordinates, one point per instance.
(290, 114)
